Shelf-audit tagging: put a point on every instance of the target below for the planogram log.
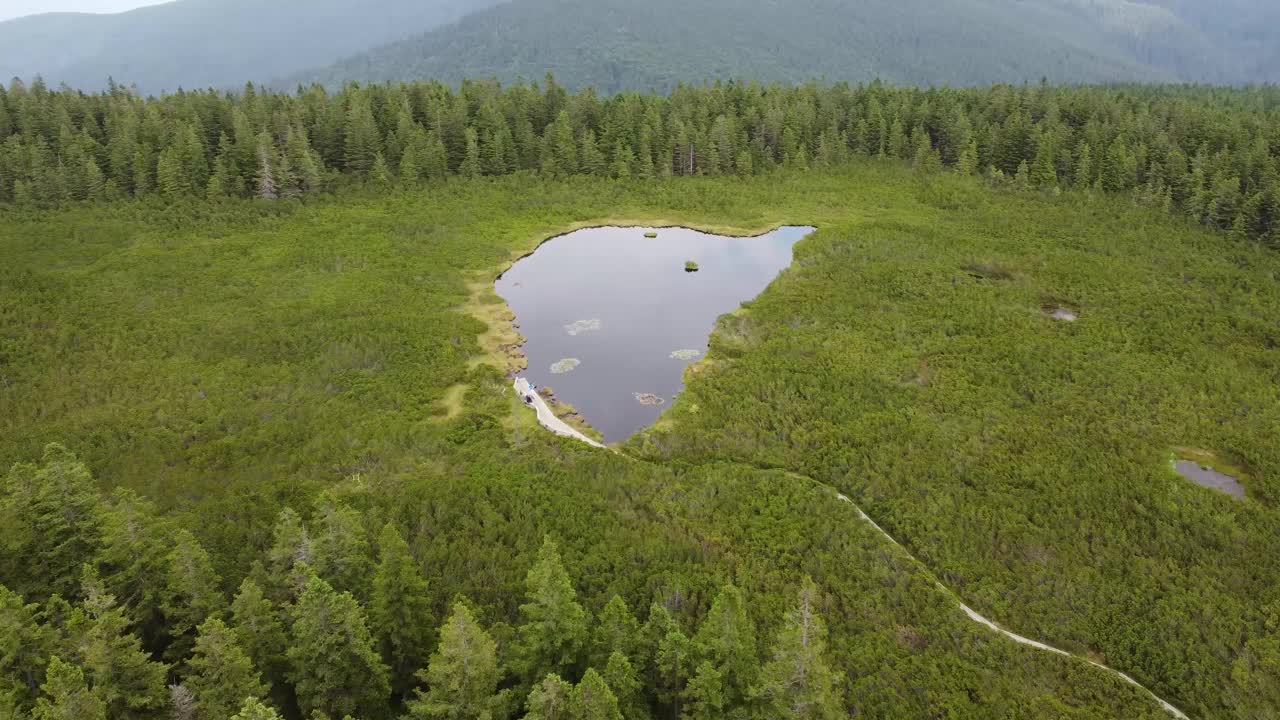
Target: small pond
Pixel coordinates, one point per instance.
(612, 319)
(1208, 477)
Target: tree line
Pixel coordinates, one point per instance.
(111, 612)
(1208, 153)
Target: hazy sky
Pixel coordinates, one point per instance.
(17, 8)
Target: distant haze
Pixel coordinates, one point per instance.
(17, 8)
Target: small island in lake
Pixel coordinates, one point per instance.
(690, 266)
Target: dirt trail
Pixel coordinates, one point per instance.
(558, 426)
(548, 418)
(974, 616)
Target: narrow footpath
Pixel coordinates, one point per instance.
(546, 417)
(558, 426)
(974, 616)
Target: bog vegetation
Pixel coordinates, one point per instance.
(257, 472)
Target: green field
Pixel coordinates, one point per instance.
(229, 358)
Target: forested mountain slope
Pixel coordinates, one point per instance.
(615, 44)
(208, 43)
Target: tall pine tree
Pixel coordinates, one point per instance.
(553, 634)
(462, 676)
(797, 683)
(333, 664)
(400, 610)
(220, 674)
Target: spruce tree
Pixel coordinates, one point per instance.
(53, 522)
(797, 683)
(226, 171)
(1014, 144)
(925, 158)
(191, 155)
(726, 637)
(561, 145)
(644, 159)
(122, 675)
(24, 647)
(705, 694)
(1115, 174)
(191, 594)
(266, 183)
(219, 180)
(1044, 171)
(553, 634)
(220, 674)
(133, 563)
(95, 182)
(259, 632)
(413, 162)
(291, 545)
(462, 675)
(1022, 178)
(470, 167)
(621, 677)
(170, 178)
(66, 696)
(899, 145)
(340, 547)
(590, 159)
(361, 139)
(655, 629)
(593, 700)
(437, 159)
(400, 610)
(549, 699)
(302, 160)
(254, 709)
(616, 630)
(670, 668)
(333, 664)
(967, 163)
(380, 173)
(622, 160)
(1083, 175)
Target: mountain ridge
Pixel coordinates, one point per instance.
(612, 45)
(207, 43)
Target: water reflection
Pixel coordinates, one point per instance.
(1210, 478)
(645, 317)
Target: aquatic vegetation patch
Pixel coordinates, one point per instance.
(649, 399)
(582, 326)
(566, 365)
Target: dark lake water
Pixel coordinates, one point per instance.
(1210, 478)
(612, 318)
